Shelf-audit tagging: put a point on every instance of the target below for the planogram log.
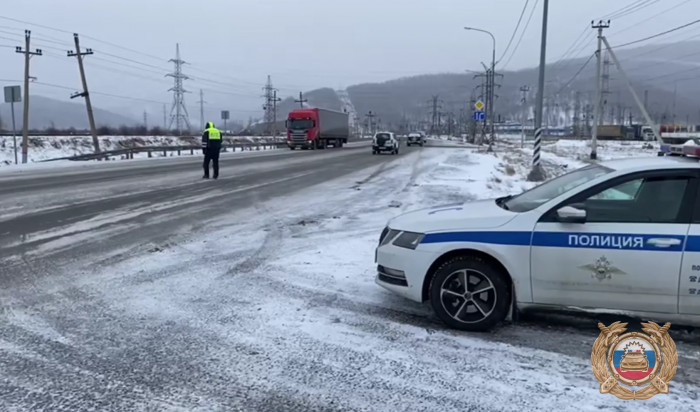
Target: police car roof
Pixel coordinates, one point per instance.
(652, 162)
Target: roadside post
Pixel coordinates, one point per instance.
(13, 94)
(225, 116)
(479, 116)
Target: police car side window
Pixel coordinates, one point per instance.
(624, 191)
(644, 200)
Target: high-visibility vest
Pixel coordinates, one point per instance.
(214, 134)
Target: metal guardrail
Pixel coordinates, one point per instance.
(130, 151)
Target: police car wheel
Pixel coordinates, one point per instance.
(468, 293)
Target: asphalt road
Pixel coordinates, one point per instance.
(51, 217)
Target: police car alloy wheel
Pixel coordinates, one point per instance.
(468, 293)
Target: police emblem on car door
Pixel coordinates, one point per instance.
(602, 269)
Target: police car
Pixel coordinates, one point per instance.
(619, 236)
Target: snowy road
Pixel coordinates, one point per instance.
(159, 292)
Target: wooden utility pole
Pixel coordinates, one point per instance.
(91, 118)
(301, 100)
(27, 56)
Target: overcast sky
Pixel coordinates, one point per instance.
(233, 45)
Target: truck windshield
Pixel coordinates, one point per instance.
(547, 191)
(300, 124)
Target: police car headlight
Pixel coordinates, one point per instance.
(408, 240)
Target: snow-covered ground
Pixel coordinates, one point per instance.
(54, 147)
(286, 302)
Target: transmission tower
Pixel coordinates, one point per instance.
(178, 111)
(435, 107)
(269, 106)
(201, 108)
(577, 115)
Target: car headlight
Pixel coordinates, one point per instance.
(409, 240)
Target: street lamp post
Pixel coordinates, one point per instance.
(490, 80)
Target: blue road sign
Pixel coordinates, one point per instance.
(479, 116)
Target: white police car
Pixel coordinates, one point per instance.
(620, 236)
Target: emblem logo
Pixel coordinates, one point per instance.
(634, 365)
(602, 269)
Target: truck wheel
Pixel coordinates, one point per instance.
(468, 293)
(292, 148)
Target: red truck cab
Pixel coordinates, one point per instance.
(302, 128)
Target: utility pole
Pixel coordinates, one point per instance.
(181, 117)
(91, 118)
(598, 87)
(301, 100)
(165, 118)
(27, 56)
(524, 90)
(370, 121)
(145, 119)
(537, 174)
(275, 99)
(269, 115)
(201, 109)
(605, 90)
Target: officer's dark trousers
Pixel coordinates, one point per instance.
(212, 155)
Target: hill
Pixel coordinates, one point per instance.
(656, 69)
(45, 112)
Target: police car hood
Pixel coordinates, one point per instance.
(483, 214)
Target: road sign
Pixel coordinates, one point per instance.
(224, 115)
(13, 94)
(479, 105)
(479, 116)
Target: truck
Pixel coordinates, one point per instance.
(316, 128)
(614, 132)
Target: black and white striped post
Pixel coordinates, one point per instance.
(537, 149)
(537, 173)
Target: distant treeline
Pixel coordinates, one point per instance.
(113, 131)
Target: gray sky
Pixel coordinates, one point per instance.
(327, 43)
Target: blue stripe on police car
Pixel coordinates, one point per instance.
(619, 241)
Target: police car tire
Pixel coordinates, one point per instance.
(494, 274)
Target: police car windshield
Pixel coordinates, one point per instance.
(551, 189)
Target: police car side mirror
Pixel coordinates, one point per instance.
(571, 214)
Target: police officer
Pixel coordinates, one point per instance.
(211, 147)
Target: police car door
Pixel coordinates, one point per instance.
(689, 299)
(626, 254)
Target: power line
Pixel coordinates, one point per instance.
(640, 6)
(658, 34)
(655, 16)
(527, 24)
(520, 19)
(623, 9)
